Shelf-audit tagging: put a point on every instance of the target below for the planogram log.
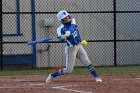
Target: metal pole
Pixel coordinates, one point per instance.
(115, 43)
(1, 52)
(33, 32)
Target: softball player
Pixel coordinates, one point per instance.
(68, 31)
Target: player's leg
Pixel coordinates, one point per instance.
(82, 55)
(70, 59)
(70, 62)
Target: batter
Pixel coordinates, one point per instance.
(68, 32)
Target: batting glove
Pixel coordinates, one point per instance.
(61, 40)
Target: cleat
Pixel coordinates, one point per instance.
(48, 80)
(98, 79)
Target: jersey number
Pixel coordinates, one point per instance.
(74, 34)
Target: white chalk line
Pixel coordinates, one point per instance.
(68, 89)
(127, 79)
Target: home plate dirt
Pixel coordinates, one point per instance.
(112, 83)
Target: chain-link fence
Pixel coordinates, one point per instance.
(110, 26)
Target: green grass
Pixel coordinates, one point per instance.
(121, 69)
(124, 69)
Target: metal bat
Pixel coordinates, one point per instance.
(41, 40)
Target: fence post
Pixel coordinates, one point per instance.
(33, 31)
(18, 16)
(1, 52)
(115, 42)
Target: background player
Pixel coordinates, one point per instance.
(68, 32)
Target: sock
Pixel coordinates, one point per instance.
(92, 70)
(58, 73)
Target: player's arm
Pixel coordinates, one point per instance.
(67, 34)
(73, 24)
(71, 28)
(62, 36)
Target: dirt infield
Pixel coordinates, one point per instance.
(112, 83)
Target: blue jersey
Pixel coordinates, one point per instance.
(74, 38)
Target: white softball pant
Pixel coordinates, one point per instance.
(71, 54)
